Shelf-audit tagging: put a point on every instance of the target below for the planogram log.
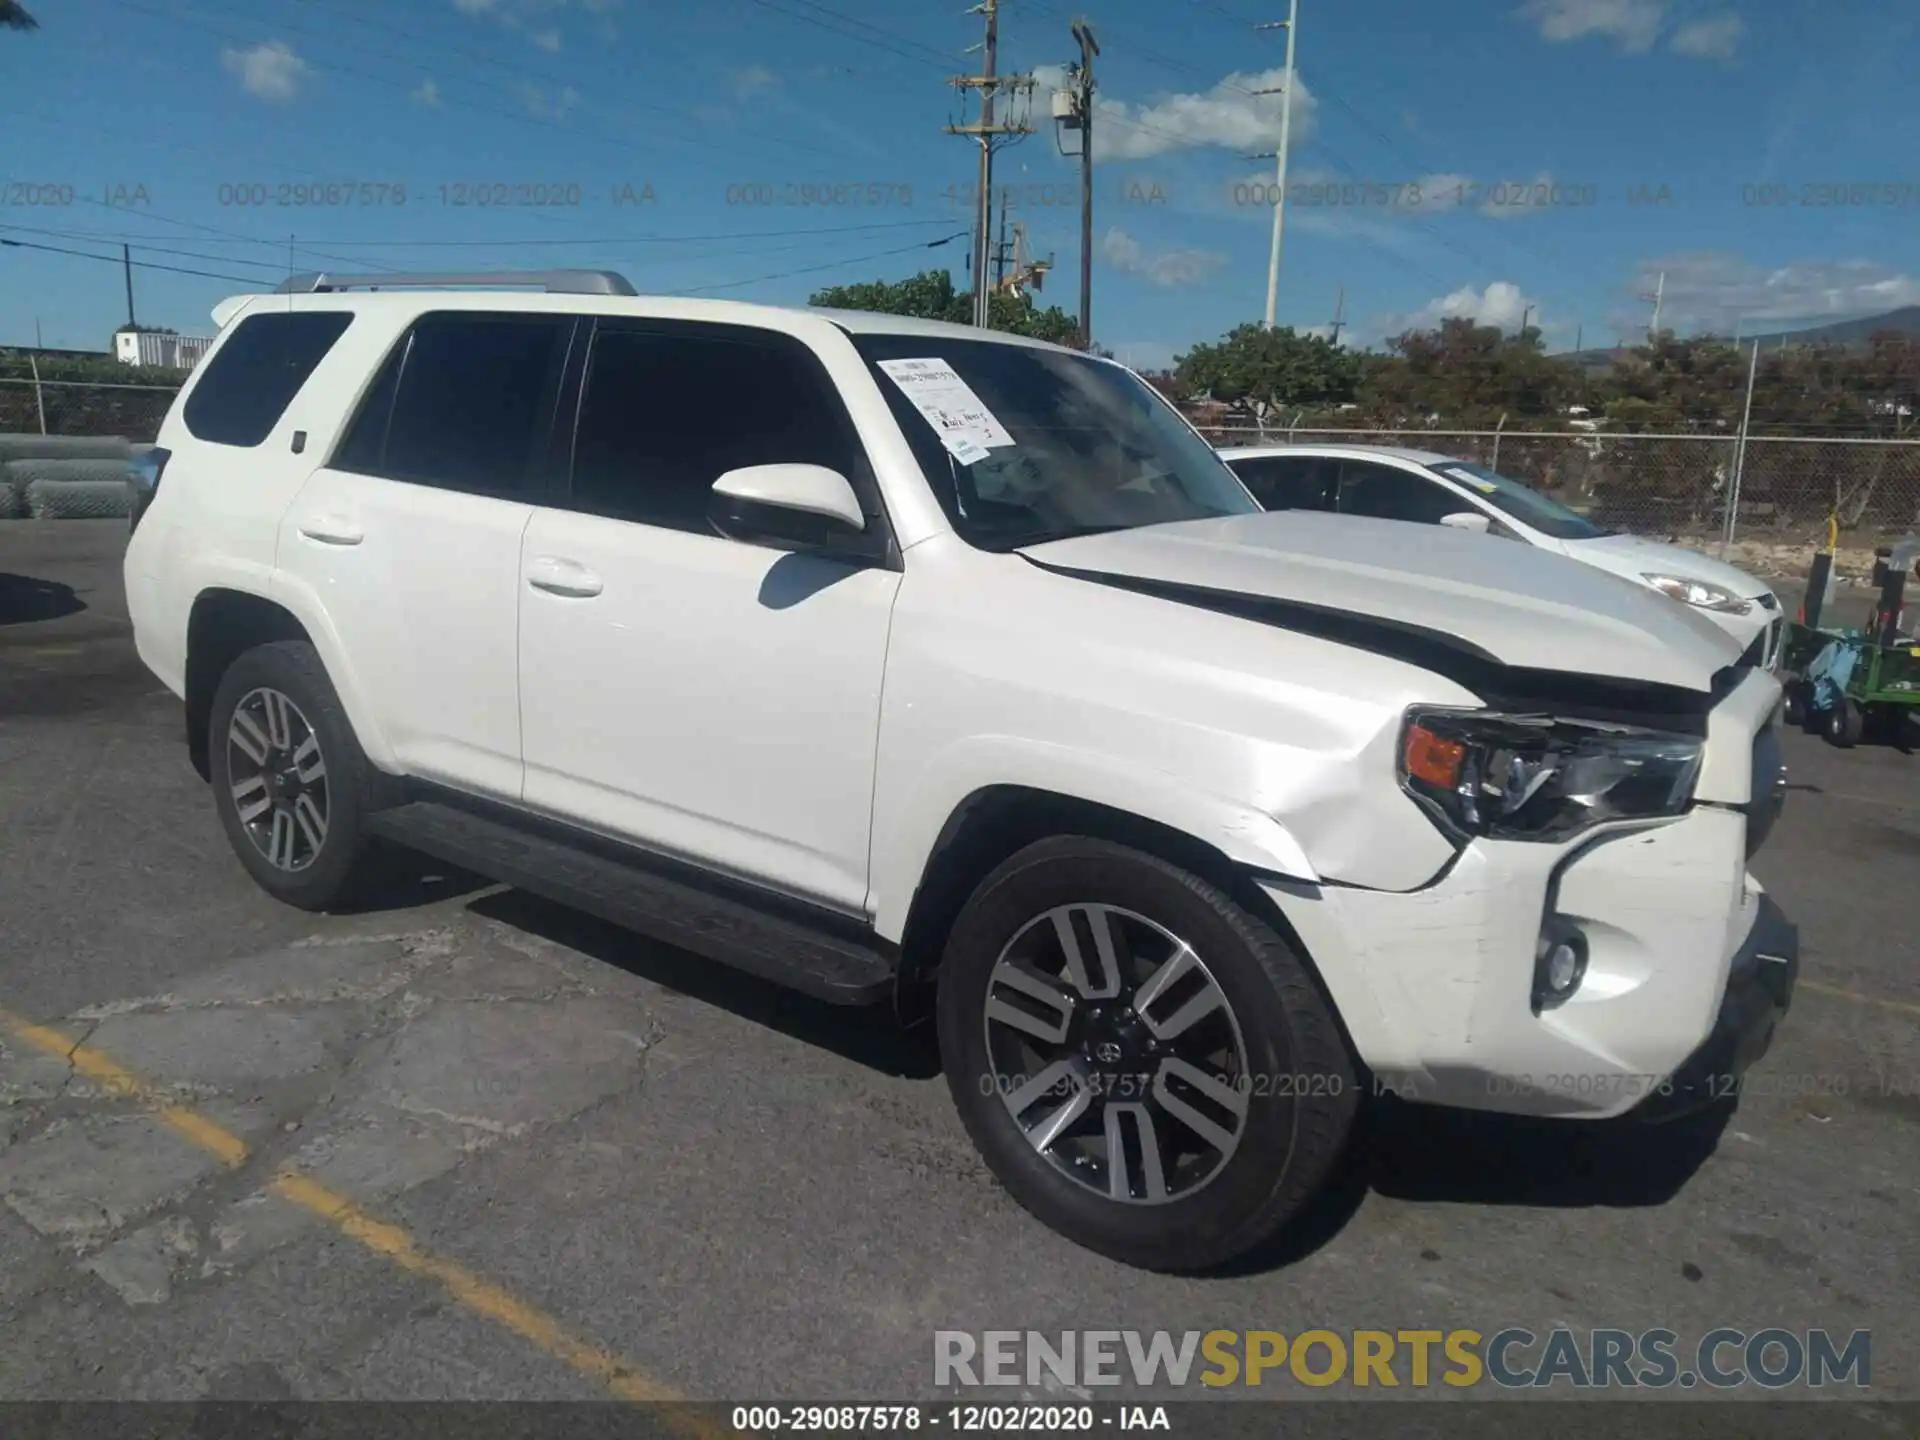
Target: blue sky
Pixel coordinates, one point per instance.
(1764, 154)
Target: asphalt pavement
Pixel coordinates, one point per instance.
(468, 1145)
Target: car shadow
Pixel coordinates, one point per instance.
(24, 599)
(867, 1035)
(1399, 1150)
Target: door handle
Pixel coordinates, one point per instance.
(568, 578)
(332, 530)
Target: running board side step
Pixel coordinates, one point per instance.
(783, 949)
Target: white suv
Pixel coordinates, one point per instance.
(896, 660)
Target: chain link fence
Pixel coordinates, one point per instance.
(1677, 487)
(131, 411)
(1662, 486)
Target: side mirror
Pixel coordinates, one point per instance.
(796, 505)
(1467, 520)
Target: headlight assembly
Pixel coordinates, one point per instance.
(1699, 594)
(1537, 777)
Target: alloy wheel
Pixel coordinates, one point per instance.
(1116, 1053)
(279, 779)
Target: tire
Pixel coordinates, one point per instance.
(1843, 724)
(1292, 1073)
(277, 845)
(1794, 708)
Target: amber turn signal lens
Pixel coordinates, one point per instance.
(1433, 759)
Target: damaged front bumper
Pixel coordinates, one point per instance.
(1758, 995)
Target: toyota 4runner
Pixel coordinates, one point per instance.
(893, 660)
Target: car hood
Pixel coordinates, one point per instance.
(1493, 599)
(1631, 556)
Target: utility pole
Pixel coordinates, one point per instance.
(1659, 293)
(1339, 309)
(126, 264)
(1525, 315)
(1001, 250)
(1082, 119)
(1292, 26)
(986, 131)
(1579, 334)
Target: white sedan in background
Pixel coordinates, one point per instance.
(1428, 488)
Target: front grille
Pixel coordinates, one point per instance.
(1773, 640)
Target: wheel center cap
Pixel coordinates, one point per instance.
(1108, 1052)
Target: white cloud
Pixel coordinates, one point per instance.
(1635, 26)
(548, 40)
(1631, 24)
(1167, 268)
(1229, 116)
(1502, 304)
(536, 100)
(428, 93)
(268, 71)
(1715, 38)
(752, 80)
(1716, 291)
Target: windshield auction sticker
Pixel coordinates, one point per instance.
(961, 418)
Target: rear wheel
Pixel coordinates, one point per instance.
(288, 777)
(1146, 1065)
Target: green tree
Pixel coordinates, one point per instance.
(1469, 375)
(931, 295)
(1251, 369)
(13, 17)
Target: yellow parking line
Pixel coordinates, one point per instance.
(481, 1297)
(1904, 1007)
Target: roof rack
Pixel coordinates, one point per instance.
(554, 282)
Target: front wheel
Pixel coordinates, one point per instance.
(1844, 724)
(1147, 1066)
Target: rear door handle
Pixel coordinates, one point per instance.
(331, 530)
(569, 578)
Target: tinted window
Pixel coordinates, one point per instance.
(474, 407)
(667, 413)
(1527, 505)
(366, 439)
(1289, 482)
(1390, 494)
(1093, 447)
(252, 378)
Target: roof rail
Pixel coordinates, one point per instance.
(554, 282)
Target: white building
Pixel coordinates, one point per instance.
(144, 347)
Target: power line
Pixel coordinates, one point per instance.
(137, 264)
(930, 54)
(279, 267)
(573, 240)
(829, 265)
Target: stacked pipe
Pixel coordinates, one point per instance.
(65, 477)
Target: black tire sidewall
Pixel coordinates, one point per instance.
(294, 669)
(1265, 984)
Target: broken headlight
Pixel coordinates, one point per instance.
(1538, 777)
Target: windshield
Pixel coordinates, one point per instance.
(1024, 445)
(1525, 504)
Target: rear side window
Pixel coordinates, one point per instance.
(252, 378)
(465, 402)
(1289, 482)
